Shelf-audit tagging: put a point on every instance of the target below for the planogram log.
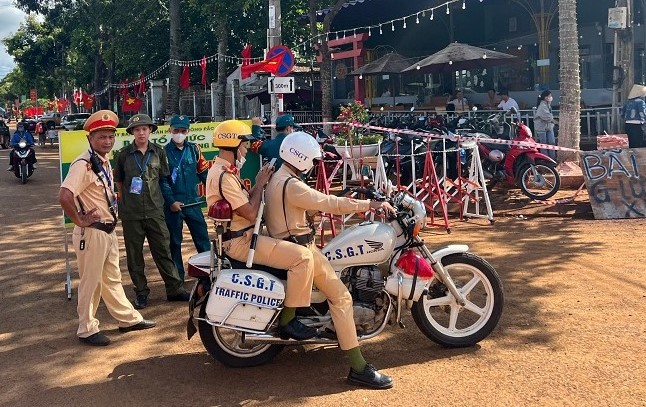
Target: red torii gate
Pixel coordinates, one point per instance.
(357, 53)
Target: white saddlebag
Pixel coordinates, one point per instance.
(244, 298)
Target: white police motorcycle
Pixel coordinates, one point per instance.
(456, 298)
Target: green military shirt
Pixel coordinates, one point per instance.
(129, 162)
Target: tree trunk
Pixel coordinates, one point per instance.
(324, 51)
(221, 86)
(570, 112)
(172, 102)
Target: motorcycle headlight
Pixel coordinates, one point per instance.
(22, 144)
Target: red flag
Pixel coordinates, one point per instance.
(269, 65)
(203, 66)
(246, 55)
(61, 105)
(142, 84)
(131, 104)
(185, 78)
(78, 96)
(88, 101)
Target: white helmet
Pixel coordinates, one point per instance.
(300, 150)
(496, 155)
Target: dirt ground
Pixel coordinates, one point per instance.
(572, 331)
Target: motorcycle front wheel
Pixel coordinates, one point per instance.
(444, 321)
(226, 346)
(539, 181)
(23, 173)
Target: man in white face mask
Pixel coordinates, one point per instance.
(182, 203)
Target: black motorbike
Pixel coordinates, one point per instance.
(23, 160)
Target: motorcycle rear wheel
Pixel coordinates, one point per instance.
(444, 321)
(539, 181)
(226, 346)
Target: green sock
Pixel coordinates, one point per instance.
(357, 362)
(286, 315)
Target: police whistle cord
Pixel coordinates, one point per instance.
(477, 139)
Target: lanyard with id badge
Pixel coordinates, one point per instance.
(173, 175)
(137, 182)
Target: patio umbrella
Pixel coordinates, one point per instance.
(457, 57)
(389, 63)
(392, 63)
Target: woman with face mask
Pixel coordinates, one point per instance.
(544, 123)
(187, 169)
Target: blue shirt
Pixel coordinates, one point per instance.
(270, 149)
(17, 136)
(190, 168)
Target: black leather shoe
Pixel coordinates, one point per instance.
(181, 296)
(295, 329)
(141, 301)
(98, 339)
(371, 378)
(144, 324)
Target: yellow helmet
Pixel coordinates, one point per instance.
(230, 133)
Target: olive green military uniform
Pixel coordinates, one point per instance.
(142, 215)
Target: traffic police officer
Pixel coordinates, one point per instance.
(223, 182)
(187, 169)
(288, 201)
(270, 149)
(88, 199)
(140, 171)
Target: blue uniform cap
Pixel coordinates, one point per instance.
(286, 120)
(180, 122)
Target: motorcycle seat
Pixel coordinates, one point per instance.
(278, 273)
(501, 147)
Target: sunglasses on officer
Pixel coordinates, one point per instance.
(176, 131)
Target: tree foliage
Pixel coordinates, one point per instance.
(91, 43)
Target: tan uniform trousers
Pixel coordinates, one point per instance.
(98, 265)
(281, 255)
(306, 265)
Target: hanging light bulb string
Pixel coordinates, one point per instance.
(303, 44)
(368, 28)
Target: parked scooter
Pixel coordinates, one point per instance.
(456, 298)
(22, 162)
(534, 172)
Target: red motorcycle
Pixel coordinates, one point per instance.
(522, 165)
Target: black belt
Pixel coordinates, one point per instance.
(232, 234)
(302, 240)
(106, 227)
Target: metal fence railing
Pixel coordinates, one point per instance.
(594, 122)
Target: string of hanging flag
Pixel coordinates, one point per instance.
(195, 62)
(428, 12)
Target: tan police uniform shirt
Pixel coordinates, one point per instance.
(300, 198)
(232, 188)
(88, 188)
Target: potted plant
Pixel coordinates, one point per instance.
(353, 140)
